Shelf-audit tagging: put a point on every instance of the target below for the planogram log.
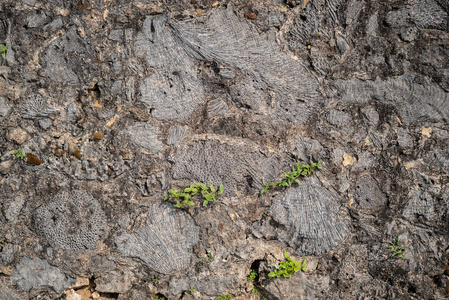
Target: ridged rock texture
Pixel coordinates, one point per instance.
(107, 105)
(165, 243)
(310, 214)
(71, 220)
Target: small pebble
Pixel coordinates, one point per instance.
(98, 136)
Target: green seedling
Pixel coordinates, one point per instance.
(155, 280)
(252, 275)
(209, 258)
(192, 290)
(185, 197)
(288, 267)
(225, 297)
(19, 154)
(398, 251)
(292, 177)
(255, 290)
(3, 50)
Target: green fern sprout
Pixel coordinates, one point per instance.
(185, 197)
(292, 177)
(252, 275)
(255, 290)
(288, 267)
(225, 297)
(398, 251)
(19, 154)
(3, 50)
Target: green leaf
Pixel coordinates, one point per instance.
(190, 203)
(272, 275)
(177, 205)
(212, 188)
(166, 197)
(205, 202)
(220, 189)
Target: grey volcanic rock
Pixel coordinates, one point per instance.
(38, 274)
(224, 92)
(165, 242)
(218, 163)
(72, 220)
(310, 214)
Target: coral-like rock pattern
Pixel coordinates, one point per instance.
(165, 242)
(72, 220)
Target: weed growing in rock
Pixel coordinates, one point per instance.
(192, 190)
(192, 290)
(398, 251)
(155, 280)
(255, 290)
(288, 267)
(19, 154)
(225, 297)
(252, 275)
(3, 50)
(209, 258)
(290, 178)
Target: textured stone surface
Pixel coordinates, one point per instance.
(224, 92)
(310, 214)
(165, 243)
(72, 220)
(36, 273)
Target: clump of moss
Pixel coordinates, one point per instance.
(33, 159)
(98, 136)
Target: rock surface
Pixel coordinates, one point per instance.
(121, 101)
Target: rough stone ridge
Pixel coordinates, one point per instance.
(424, 14)
(37, 273)
(165, 242)
(174, 48)
(421, 203)
(213, 162)
(36, 107)
(310, 214)
(415, 101)
(146, 136)
(71, 220)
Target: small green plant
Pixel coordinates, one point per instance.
(255, 290)
(225, 297)
(192, 290)
(292, 177)
(19, 154)
(209, 258)
(252, 275)
(398, 251)
(192, 190)
(155, 280)
(288, 267)
(3, 50)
